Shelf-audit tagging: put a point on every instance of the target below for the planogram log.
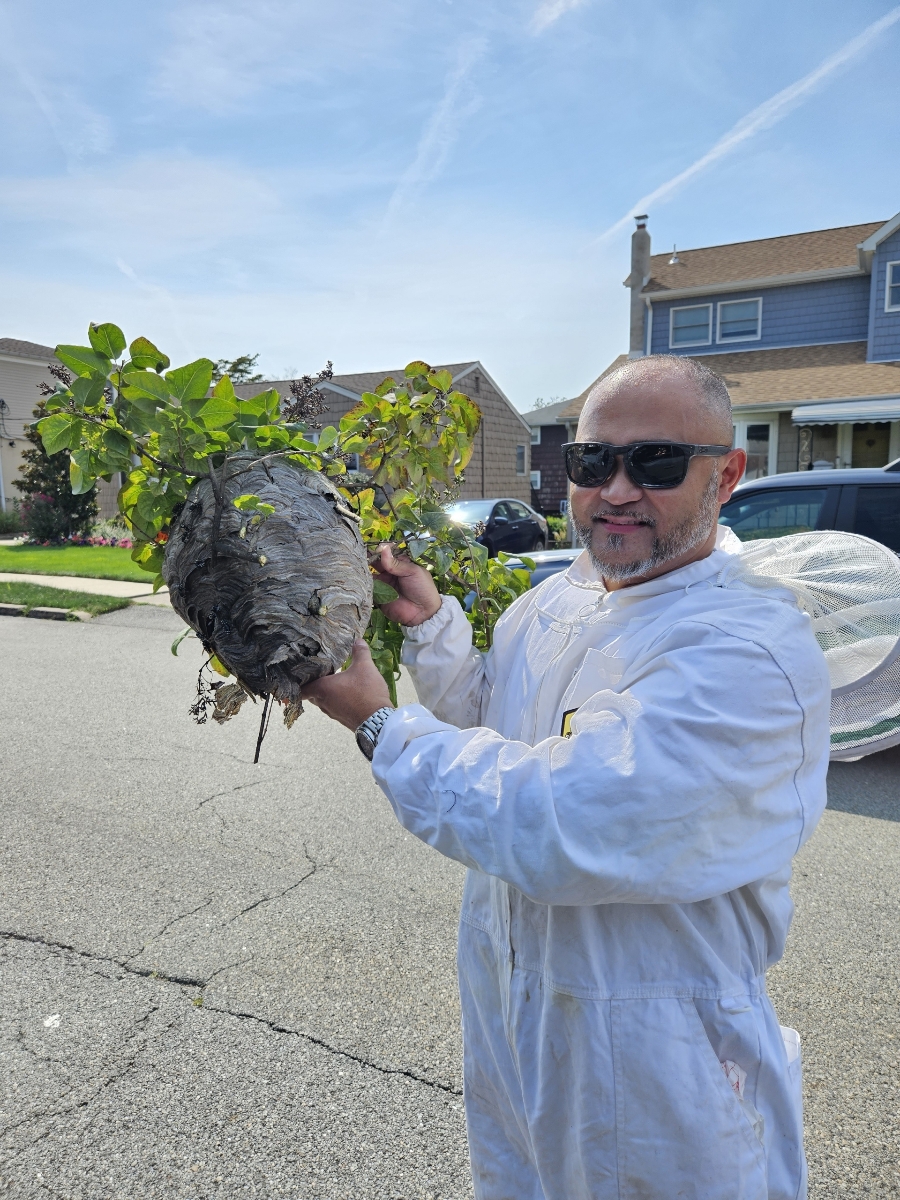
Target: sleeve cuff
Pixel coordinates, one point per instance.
(429, 629)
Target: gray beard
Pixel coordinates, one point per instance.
(685, 537)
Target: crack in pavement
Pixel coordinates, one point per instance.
(168, 925)
(228, 791)
(51, 1114)
(278, 895)
(274, 1026)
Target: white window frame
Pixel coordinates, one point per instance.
(524, 470)
(720, 341)
(740, 437)
(682, 308)
(535, 435)
(535, 475)
(888, 307)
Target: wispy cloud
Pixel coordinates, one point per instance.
(79, 130)
(548, 13)
(764, 116)
(441, 130)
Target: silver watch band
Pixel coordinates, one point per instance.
(368, 732)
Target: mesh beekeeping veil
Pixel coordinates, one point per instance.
(850, 588)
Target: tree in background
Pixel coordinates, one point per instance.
(239, 370)
(49, 510)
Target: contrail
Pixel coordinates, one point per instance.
(440, 132)
(550, 11)
(767, 114)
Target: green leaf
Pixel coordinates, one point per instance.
(144, 385)
(57, 432)
(184, 633)
(117, 442)
(327, 437)
(224, 389)
(107, 339)
(145, 354)
(383, 593)
(442, 380)
(217, 412)
(83, 360)
(87, 391)
(80, 477)
(191, 382)
(416, 368)
(247, 503)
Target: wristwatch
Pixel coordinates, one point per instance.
(367, 733)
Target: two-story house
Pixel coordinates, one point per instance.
(804, 329)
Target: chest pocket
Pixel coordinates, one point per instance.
(598, 671)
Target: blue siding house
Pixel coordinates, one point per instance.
(804, 329)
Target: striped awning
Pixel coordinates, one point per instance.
(842, 412)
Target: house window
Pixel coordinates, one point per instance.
(740, 320)
(691, 326)
(892, 290)
(520, 460)
(535, 435)
(535, 481)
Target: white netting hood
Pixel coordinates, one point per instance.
(850, 588)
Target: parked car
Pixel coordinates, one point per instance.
(857, 500)
(509, 525)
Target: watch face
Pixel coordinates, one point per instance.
(366, 743)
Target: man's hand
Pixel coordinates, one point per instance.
(419, 599)
(352, 695)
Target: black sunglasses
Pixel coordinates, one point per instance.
(648, 464)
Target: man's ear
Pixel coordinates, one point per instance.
(731, 472)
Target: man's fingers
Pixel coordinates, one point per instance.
(361, 653)
(393, 565)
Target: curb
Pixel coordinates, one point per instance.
(45, 614)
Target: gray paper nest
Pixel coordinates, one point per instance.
(282, 604)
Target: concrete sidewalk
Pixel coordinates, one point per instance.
(141, 593)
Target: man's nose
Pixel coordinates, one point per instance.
(619, 489)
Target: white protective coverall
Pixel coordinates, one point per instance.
(628, 883)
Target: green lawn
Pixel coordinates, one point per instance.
(32, 594)
(90, 562)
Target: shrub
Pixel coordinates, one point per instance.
(559, 531)
(10, 521)
(49, 510)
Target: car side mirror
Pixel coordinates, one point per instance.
(500, 521)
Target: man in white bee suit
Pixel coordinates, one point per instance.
(627, 775)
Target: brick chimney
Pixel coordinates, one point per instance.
(640, 273)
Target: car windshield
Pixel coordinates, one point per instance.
(470, 512)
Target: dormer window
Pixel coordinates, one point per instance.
(892, 289)
(690, 326)
(740, 321)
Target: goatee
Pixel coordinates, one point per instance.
(692, 532)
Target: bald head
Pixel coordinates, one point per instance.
(682, 399)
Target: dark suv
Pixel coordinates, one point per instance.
(857, 500)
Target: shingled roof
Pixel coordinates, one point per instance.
(797, 375)
(19, 349)
(765, 258)
(546, 415)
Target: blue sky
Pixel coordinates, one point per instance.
(445, 179)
